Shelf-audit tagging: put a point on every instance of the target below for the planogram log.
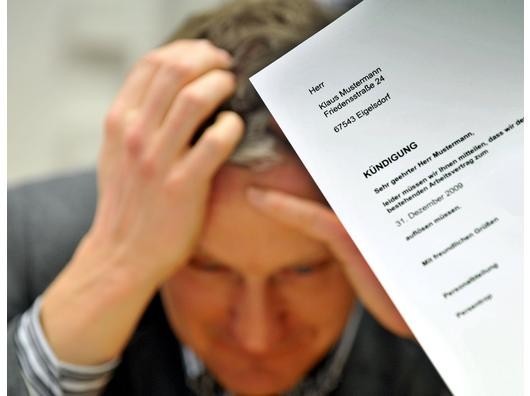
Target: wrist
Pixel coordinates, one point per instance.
(116, 264)
(90, 311)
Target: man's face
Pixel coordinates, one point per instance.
(260, 303)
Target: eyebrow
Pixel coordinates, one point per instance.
(321, 261)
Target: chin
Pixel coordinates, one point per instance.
(271, 372)
(257, 375)
(256, 382)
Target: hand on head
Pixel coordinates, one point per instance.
(319, 222)
(153, 185)
(153, 190)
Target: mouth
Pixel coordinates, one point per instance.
(282, 364)
(293, 344)
(253, 378)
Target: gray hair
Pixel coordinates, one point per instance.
(255, 32)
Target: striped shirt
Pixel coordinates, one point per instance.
(45, 375)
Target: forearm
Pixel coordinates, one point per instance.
(151, 203)
(91, 310)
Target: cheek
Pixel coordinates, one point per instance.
(194, 302)
(323, 300)
(198, 304)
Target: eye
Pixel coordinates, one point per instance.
(307, 270)
(304, 269)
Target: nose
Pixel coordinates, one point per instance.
(257, 317)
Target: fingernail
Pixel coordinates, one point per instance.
(256, 196)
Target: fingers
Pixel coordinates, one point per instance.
(307, 216)
(179, 62)
(155, 80)
(153, 186)
(215, 145)
(176, 69)
(184, 80)
(136, 83)
(310, 218)
(190, 108)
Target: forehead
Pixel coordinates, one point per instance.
(237, 235)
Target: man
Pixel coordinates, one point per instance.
(198, 275)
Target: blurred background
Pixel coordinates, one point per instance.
(66, 60)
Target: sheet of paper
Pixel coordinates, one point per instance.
(409, 116)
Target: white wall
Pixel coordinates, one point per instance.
(66, 59)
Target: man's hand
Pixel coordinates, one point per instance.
(153, 190)
(153, 187)
(319, 222)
